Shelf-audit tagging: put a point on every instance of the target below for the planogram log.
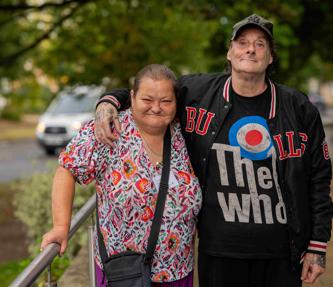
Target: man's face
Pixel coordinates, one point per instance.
(250, 52)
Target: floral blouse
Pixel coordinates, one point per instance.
(127, 185)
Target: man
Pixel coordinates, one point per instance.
(259, 151)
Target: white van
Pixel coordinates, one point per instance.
(65, 116)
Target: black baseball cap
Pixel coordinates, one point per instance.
(253, 20)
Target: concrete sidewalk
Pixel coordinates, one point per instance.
(77, 274)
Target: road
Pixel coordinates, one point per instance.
(21, 158)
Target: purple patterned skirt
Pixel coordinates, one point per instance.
(184, 282)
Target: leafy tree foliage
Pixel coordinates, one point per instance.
(302, 40)
(110, 39)
(86, 41)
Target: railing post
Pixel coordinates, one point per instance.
(49, 282)
(92, 274)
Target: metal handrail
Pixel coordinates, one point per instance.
(43, 260)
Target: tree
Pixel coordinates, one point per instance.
(86, 41)
(89, 41)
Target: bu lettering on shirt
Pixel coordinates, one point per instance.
(194, 123)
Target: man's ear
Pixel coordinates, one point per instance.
(228, 56)
(228, 53)
(132, 94)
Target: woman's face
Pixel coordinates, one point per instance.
(154, 104)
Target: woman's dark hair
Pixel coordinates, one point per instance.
(155, 72)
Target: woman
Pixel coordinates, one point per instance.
(127, 178)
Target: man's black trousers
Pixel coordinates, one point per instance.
(227, 272)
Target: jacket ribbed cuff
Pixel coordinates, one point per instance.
(109, 99)
(317, 247)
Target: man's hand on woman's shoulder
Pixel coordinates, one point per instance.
(106, 115)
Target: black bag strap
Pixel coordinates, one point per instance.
(162, 193)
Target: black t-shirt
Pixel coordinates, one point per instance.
(244, 213)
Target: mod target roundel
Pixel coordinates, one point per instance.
(252, 136)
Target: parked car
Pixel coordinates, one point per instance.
(65, 116)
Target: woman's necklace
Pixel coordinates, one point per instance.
(158, 164)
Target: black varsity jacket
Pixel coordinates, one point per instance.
(304, 166)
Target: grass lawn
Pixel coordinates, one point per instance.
(10, 270)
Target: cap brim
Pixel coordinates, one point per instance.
(236, 32)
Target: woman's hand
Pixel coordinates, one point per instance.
(58, 234)
(106, 114)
